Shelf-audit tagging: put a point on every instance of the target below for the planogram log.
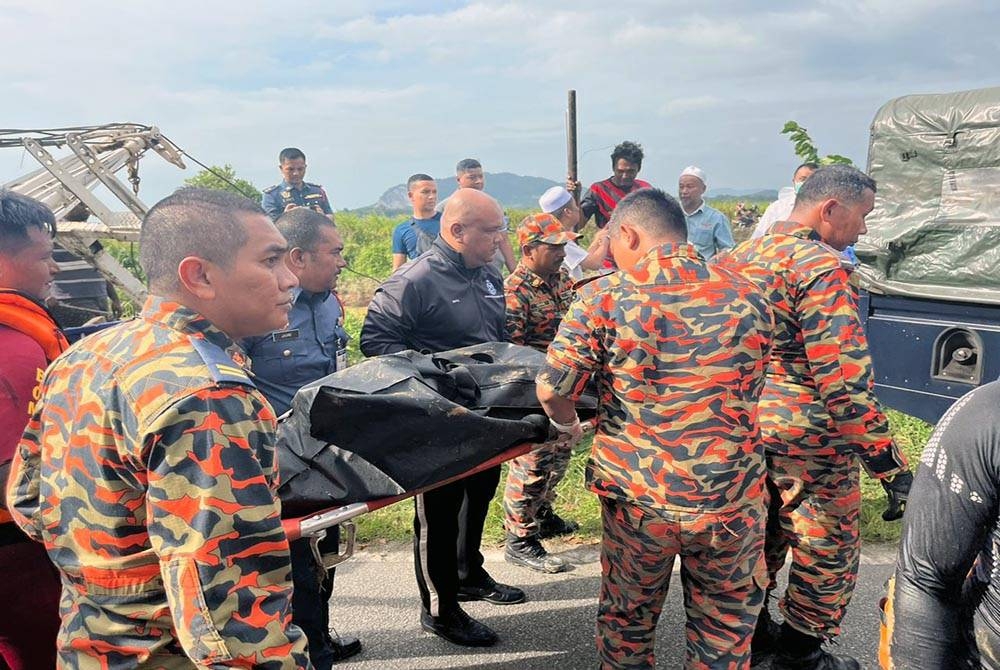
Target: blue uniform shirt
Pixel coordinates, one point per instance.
(276, 198)
(709, 231)
(406, 237)
(286, 360)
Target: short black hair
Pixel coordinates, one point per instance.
(467, 164)
(290, 154)
(19, 214)
(653, 210)
(843, 182)
(414, 178)
(812, 165)
(192, 221)
(301, 227)
(630, 151)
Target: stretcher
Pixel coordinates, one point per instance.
(315, 526)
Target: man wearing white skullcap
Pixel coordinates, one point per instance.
(558, 202)
(708, 228)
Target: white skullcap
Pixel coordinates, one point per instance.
(553, 199)
(695, 172)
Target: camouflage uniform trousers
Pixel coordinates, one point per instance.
(814, 511)
(531, 487)
(722, 571)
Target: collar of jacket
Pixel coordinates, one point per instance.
(455, 257)
(795, 229)
(25, 314)
(184, 319)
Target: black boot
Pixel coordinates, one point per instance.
(528, 552)
(799, 651)
(551, 524)
(459, 628)
(766, 637)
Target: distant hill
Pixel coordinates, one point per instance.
(759, 194)
(511, 190)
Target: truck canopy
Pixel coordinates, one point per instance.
(935, 229)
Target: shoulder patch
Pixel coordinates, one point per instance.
(309, 183)
(220, 365)
(271, 189)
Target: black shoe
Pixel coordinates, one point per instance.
(458, 628)
(344, 647)
(491, 592)
(551, 524)
(529, 553)
(817, 660)
(766, 639)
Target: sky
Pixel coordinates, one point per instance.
(374, 91)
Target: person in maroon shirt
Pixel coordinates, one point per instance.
(30, 340)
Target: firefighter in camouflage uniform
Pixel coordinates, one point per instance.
(678, 349)
(538, 293)
(148, 468)
(818, 414)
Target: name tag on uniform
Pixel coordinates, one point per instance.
(341, 358)
(285, 335)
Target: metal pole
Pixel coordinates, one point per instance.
(571, 142)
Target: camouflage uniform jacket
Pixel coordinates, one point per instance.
(534, 308)
(819, 399)
(679, 348)
(148, 471)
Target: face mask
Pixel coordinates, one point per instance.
(797, 186)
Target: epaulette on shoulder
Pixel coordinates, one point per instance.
(220, 365)
(271, 189)
(309, 183)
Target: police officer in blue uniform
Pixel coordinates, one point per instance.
(313, 345)
(293, 192)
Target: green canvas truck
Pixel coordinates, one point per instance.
(930, 263)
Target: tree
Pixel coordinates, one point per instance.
(224, 179)
(806, 149)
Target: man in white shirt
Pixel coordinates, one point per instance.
(782, 207)
(558, 202)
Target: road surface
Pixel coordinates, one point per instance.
(375, 598)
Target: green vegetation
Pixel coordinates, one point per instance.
(224, 179)
(806, 149)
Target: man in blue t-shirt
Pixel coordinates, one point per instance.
(415, 235)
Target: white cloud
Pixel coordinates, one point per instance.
(374, 91)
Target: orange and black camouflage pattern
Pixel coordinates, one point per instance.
(818, 414)
(534, 308)
(820, 394)
(722, 572)
(815, 512)
(531, 486)
(148, 471)
(679, 350)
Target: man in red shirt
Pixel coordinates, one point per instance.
(30, 340)
(603, 196)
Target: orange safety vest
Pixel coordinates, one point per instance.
(27, 315)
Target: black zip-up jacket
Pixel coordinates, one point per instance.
(947, 596)
(433, 304)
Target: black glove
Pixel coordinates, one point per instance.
(897, 490)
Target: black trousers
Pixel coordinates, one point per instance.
(311, 597)
(447, 531)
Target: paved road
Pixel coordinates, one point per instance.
(376, 599)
